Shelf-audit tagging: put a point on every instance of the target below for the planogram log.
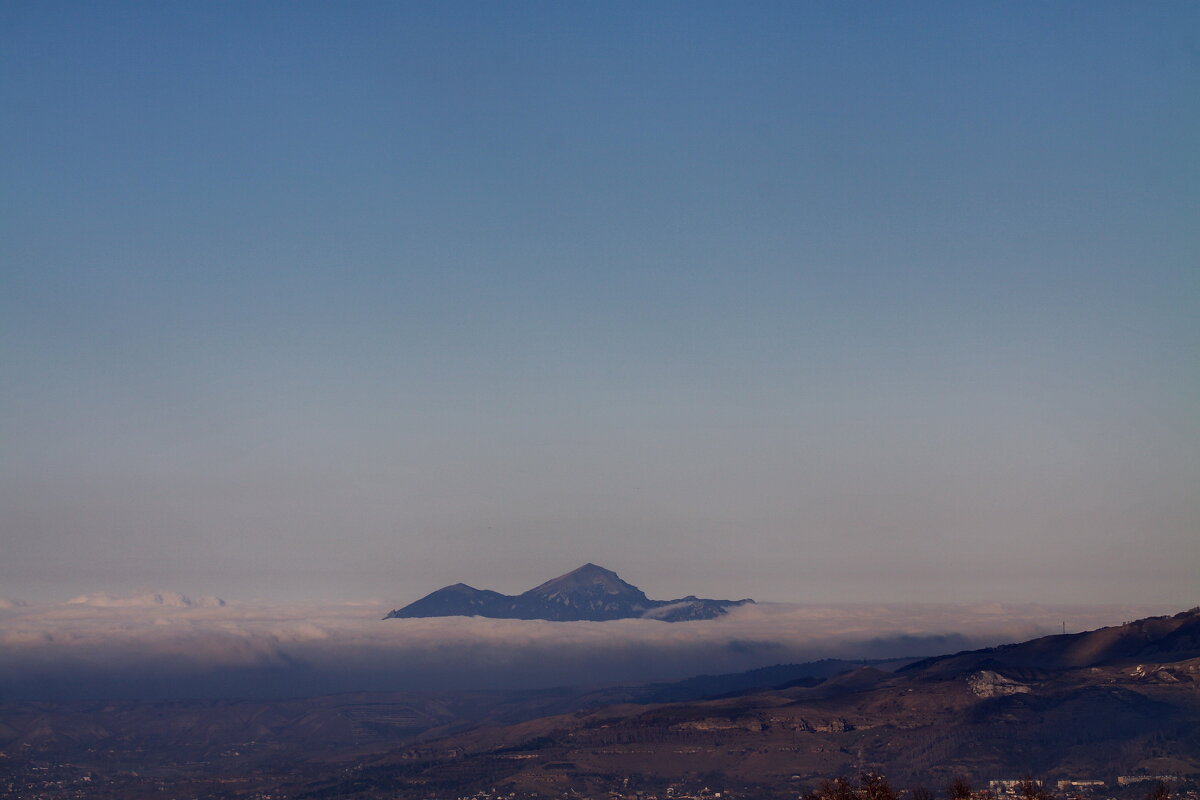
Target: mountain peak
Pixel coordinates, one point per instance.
(588, 579)
(589, 592)
(589, 570)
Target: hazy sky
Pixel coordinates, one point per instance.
(802, 301)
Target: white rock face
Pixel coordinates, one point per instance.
(146, 600)
(986, 683)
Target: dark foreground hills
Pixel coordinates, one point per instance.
(1117, 702)
(1120, 702)
(587, 593)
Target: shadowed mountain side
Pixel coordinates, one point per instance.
(768, 731)
(1105, 718)
(587, 593)
(459, 600)
(368, 720)
(779, 676)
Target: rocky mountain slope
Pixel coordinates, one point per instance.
(587, 593)
(1155, 638)
(1114, 702)
(1097, 705)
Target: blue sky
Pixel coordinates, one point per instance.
(798, 301)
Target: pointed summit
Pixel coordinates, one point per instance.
(590, 592)
(589, 579)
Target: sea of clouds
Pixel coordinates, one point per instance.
(163, 645)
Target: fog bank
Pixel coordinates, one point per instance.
(162, 651)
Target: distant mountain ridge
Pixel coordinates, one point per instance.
(1170, 638)
(1097, 705)
(587, 593)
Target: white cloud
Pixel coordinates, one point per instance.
(145, 600)
(172, 649)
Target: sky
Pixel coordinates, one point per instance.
(806, 302)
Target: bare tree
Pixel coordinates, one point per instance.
(1159, 791)
(1029, 789)
(875, 787)
(836, 789)
(960, 789)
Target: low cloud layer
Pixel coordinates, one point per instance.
(162, 650)
(145, 600)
